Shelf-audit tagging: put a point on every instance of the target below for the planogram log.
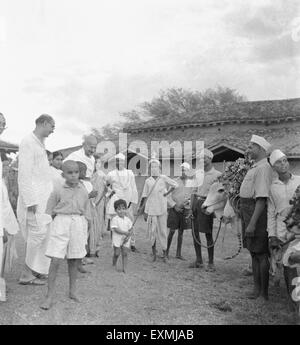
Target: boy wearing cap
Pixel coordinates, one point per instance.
(179, 207)
(203, 222)
(254, 193)
(281, 192)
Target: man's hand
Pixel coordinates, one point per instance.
(145, 217)
(274, 242)
(250, 229)
(294, 258)
(32, 208)
(93, 194)
(5, 236)
(177, 208)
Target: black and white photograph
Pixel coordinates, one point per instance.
(150, 163)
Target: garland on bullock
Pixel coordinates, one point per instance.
(233, 177)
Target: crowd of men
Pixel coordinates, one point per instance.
(66, 204)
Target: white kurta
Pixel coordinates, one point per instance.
(35, 186)
(11, 225)
(123, 184)
(80, 156)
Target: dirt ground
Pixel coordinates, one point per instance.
(150, 293)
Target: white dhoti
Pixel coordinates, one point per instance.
(157, 230)
(37, 230)
(35, 187)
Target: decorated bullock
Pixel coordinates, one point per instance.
(223, 197)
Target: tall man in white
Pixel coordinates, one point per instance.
(35, 186)
(123, 186)
(86, 154)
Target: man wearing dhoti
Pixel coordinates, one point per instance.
(123, 186)
(86, 154)
(35, 186)
(99, 183)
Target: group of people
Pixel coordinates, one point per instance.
(67, 204)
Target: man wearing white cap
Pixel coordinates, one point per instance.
(254, 193)
(123, 186)
(203, 222)
(179, 208)
(281, 192)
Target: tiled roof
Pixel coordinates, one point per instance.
(257, 111)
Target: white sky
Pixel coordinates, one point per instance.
(85, 61)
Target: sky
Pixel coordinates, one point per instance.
(86, 61)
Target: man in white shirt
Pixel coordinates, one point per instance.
(281, 192)
(86, 154)
(202, 222)
(35, 186)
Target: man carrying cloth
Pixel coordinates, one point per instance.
(254, 193)
(281, 192)
(179, 203)
(203, 222)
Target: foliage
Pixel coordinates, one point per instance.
(171, 103)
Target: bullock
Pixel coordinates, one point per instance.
(217, 202)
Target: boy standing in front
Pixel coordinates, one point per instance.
(67, 238)
(121, 227)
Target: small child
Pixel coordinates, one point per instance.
(121, 227)
(67, 235)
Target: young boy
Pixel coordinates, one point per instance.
(67, 236)
(121, 227)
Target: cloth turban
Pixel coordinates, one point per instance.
(262, 142)
(120, 156)
(185, 165)
(207, 153)
(275, 155)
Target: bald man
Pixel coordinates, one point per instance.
(35, 186)
(86, 154)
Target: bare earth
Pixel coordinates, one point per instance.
(150, 293)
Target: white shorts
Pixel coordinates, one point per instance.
(117, 240)
(67, 237)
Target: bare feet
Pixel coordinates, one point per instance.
(180, 257)
(74, 297)
(81, 269)
(47, 304)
